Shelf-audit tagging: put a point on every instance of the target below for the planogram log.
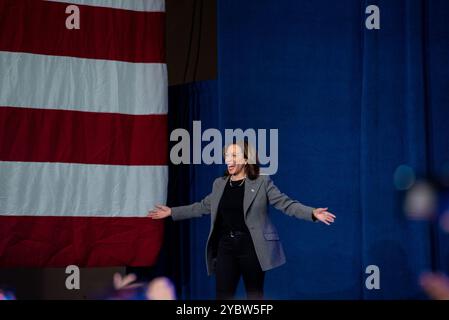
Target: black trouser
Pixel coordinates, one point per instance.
(237, 257)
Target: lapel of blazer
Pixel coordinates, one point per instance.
(251, 188)
(217, 198)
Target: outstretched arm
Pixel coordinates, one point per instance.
(293, 207)
(193, 210)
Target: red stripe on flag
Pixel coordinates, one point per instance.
(105, 33)
(85, 242)
(47, 135)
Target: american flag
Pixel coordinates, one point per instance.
(83, 132)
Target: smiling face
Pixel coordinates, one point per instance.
(235, 160)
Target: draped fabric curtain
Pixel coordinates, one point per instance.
(396, 129)
(185, 242)
(351, 106)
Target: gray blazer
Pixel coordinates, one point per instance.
(258, 193)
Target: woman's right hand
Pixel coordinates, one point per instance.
(159, 212)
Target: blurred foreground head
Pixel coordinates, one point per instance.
(436, 285)
(126, 288)
(161, 289)
(6, 294)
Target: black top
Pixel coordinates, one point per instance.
(230, 209)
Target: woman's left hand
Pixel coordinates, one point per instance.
(324, 216)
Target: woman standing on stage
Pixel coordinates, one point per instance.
(242, 240)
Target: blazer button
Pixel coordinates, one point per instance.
(252, 190)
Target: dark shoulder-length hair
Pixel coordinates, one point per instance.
(252, 167)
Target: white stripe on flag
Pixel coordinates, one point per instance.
(54, 82)
(136, 5)
(57, 189)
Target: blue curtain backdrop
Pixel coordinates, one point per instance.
(351, 105)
